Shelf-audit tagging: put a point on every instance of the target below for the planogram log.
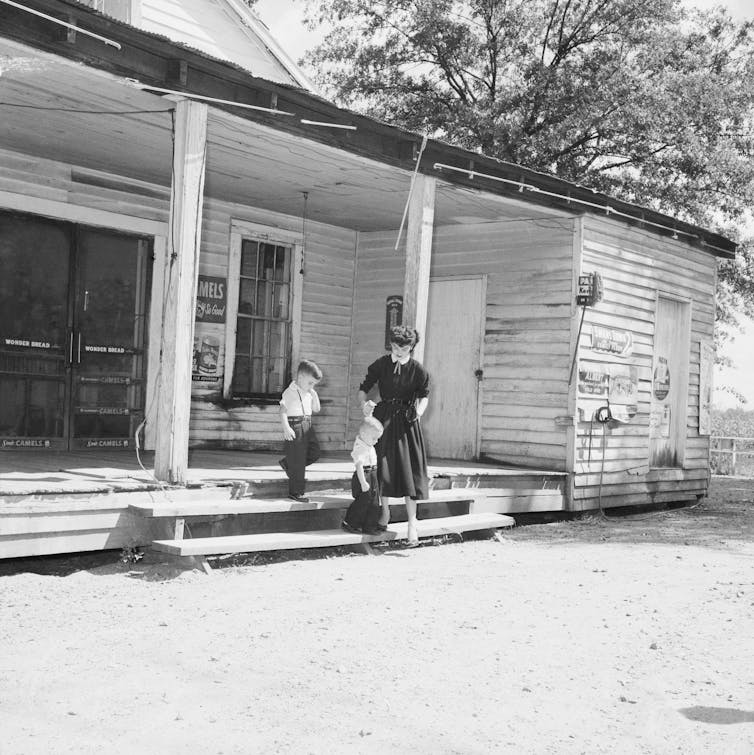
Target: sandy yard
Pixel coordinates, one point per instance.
(628, 636)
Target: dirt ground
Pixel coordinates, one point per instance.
(623, 636)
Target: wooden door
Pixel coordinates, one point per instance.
(670, 380)
(453, 355)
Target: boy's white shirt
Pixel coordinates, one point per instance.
(363, 453)
(296, 403)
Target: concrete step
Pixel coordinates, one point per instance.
(206, 546)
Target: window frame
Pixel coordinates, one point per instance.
(240, 231)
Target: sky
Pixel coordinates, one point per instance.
(284, 19)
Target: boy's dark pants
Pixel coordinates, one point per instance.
(364, 513)
(300, 452)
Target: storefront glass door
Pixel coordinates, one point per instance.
(73, 304)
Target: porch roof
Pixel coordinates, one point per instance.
(349, 165)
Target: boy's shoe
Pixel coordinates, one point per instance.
(283, 464)
(299, 498)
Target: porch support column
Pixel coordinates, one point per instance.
(421, 216)
(181, 273)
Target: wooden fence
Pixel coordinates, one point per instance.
(732, 455)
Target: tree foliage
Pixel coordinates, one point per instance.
(642, 99)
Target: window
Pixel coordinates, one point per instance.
(263, 311)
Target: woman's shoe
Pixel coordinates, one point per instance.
(412, 536)
(344, 525)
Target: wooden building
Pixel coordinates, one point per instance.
(177, 230)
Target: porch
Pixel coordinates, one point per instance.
(66, 502)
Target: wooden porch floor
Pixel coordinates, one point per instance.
(24, 473)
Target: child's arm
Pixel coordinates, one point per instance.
(288, 433)
(315, 402)
(362, 477)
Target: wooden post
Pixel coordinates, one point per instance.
(181, 273)
(421, 215)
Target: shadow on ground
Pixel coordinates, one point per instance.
(723, 517)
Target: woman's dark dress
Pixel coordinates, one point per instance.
(401, 458)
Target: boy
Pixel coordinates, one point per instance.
(298, 402)
(364, 513)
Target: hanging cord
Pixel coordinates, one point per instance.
(303, 231)
(410, 191)
(576, 348)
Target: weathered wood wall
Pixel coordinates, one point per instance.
(530, 272)
(635, 265)
(327, 290)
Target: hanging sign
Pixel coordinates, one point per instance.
(211, 301)
(616, 342)
(393, 316)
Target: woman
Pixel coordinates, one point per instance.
(401, 459)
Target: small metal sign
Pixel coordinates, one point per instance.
(393, 315)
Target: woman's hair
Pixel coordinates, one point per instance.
(402, 335)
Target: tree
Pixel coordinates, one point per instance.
(641, 99)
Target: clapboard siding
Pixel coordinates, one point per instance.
(327, 291)
(529, 269)
(635, 265)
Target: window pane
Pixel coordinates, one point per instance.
(249, 258)
(258, 384)
(264, 299)
(241, 375)
(243, 336)
(283, 264)
(267, 261)
(278, 339)
(280, 301)
(277, 376)
(246, 296)
(258, 341)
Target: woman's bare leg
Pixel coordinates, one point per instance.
(385, 515)
(413, 537)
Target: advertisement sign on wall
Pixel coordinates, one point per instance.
(600, 382)
(211, 301)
